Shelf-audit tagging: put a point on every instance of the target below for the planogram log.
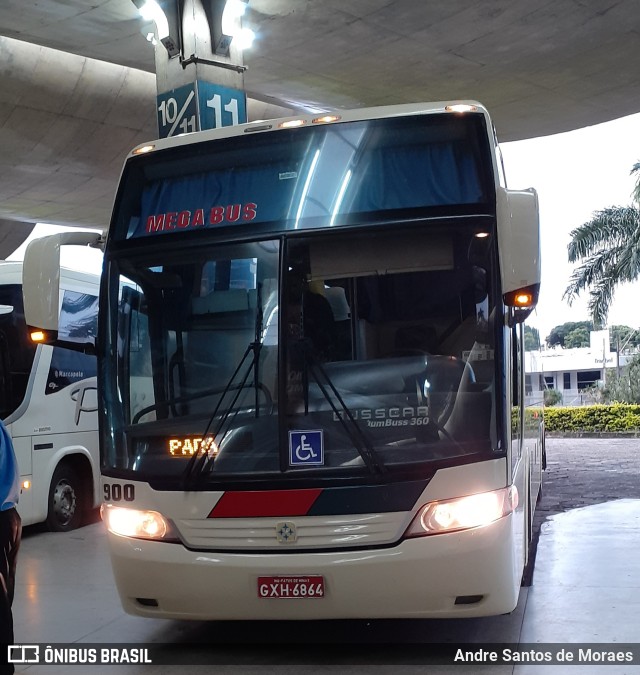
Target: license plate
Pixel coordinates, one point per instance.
(296, 588)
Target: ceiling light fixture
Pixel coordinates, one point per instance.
(231, 29)
(150, 10)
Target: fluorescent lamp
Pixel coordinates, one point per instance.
(151, 11)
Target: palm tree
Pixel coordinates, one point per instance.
(608, 249)
(636, 190)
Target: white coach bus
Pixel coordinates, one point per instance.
(311, 369)
(48, 402)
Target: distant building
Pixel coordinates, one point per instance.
(571, 371)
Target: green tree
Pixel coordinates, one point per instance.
(559, 333)
(578, 337)
(531, 339)
(636, 190)
(552, 397)
(623, 336)
(623, 388)
(607, 250)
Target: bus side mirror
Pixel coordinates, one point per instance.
(519, 245)
(41, 283)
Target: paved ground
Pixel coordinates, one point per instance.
(585, 471)
(585, 590)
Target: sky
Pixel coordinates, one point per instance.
(575, 174)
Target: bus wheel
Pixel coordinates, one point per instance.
(65, 500)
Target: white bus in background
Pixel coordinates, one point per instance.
(48, 402)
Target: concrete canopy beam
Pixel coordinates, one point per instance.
(68, 117)
(12, 235)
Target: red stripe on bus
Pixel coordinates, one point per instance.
(260, 504)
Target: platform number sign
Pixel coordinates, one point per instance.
(200, 105)
(220, 106)
(178, 111)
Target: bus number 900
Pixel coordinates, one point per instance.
(117, 492)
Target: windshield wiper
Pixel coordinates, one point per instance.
(360, 441)
(203, 461)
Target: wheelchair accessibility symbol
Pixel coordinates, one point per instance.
(305, 448)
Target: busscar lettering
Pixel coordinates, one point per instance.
(383, 414)
(216, 215)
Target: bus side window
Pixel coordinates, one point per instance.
(78, 323)
(140, 393)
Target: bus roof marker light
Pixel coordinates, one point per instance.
(292, 124)
(326, 119)
(461, 108)
(143, 149)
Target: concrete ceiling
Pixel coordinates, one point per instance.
(77, 88)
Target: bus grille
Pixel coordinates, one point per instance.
(296, 533)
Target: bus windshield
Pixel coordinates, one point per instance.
(286, 358)
(338, 175)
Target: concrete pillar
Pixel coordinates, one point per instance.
(199, 69)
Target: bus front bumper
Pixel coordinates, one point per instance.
(461, 574)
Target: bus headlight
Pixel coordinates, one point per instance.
(463, 513)
(135, 523)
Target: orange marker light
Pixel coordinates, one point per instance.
(524, 299)
(143, 149)
(461, 108)
(291, 124)
(37, 336)
(326, 119)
